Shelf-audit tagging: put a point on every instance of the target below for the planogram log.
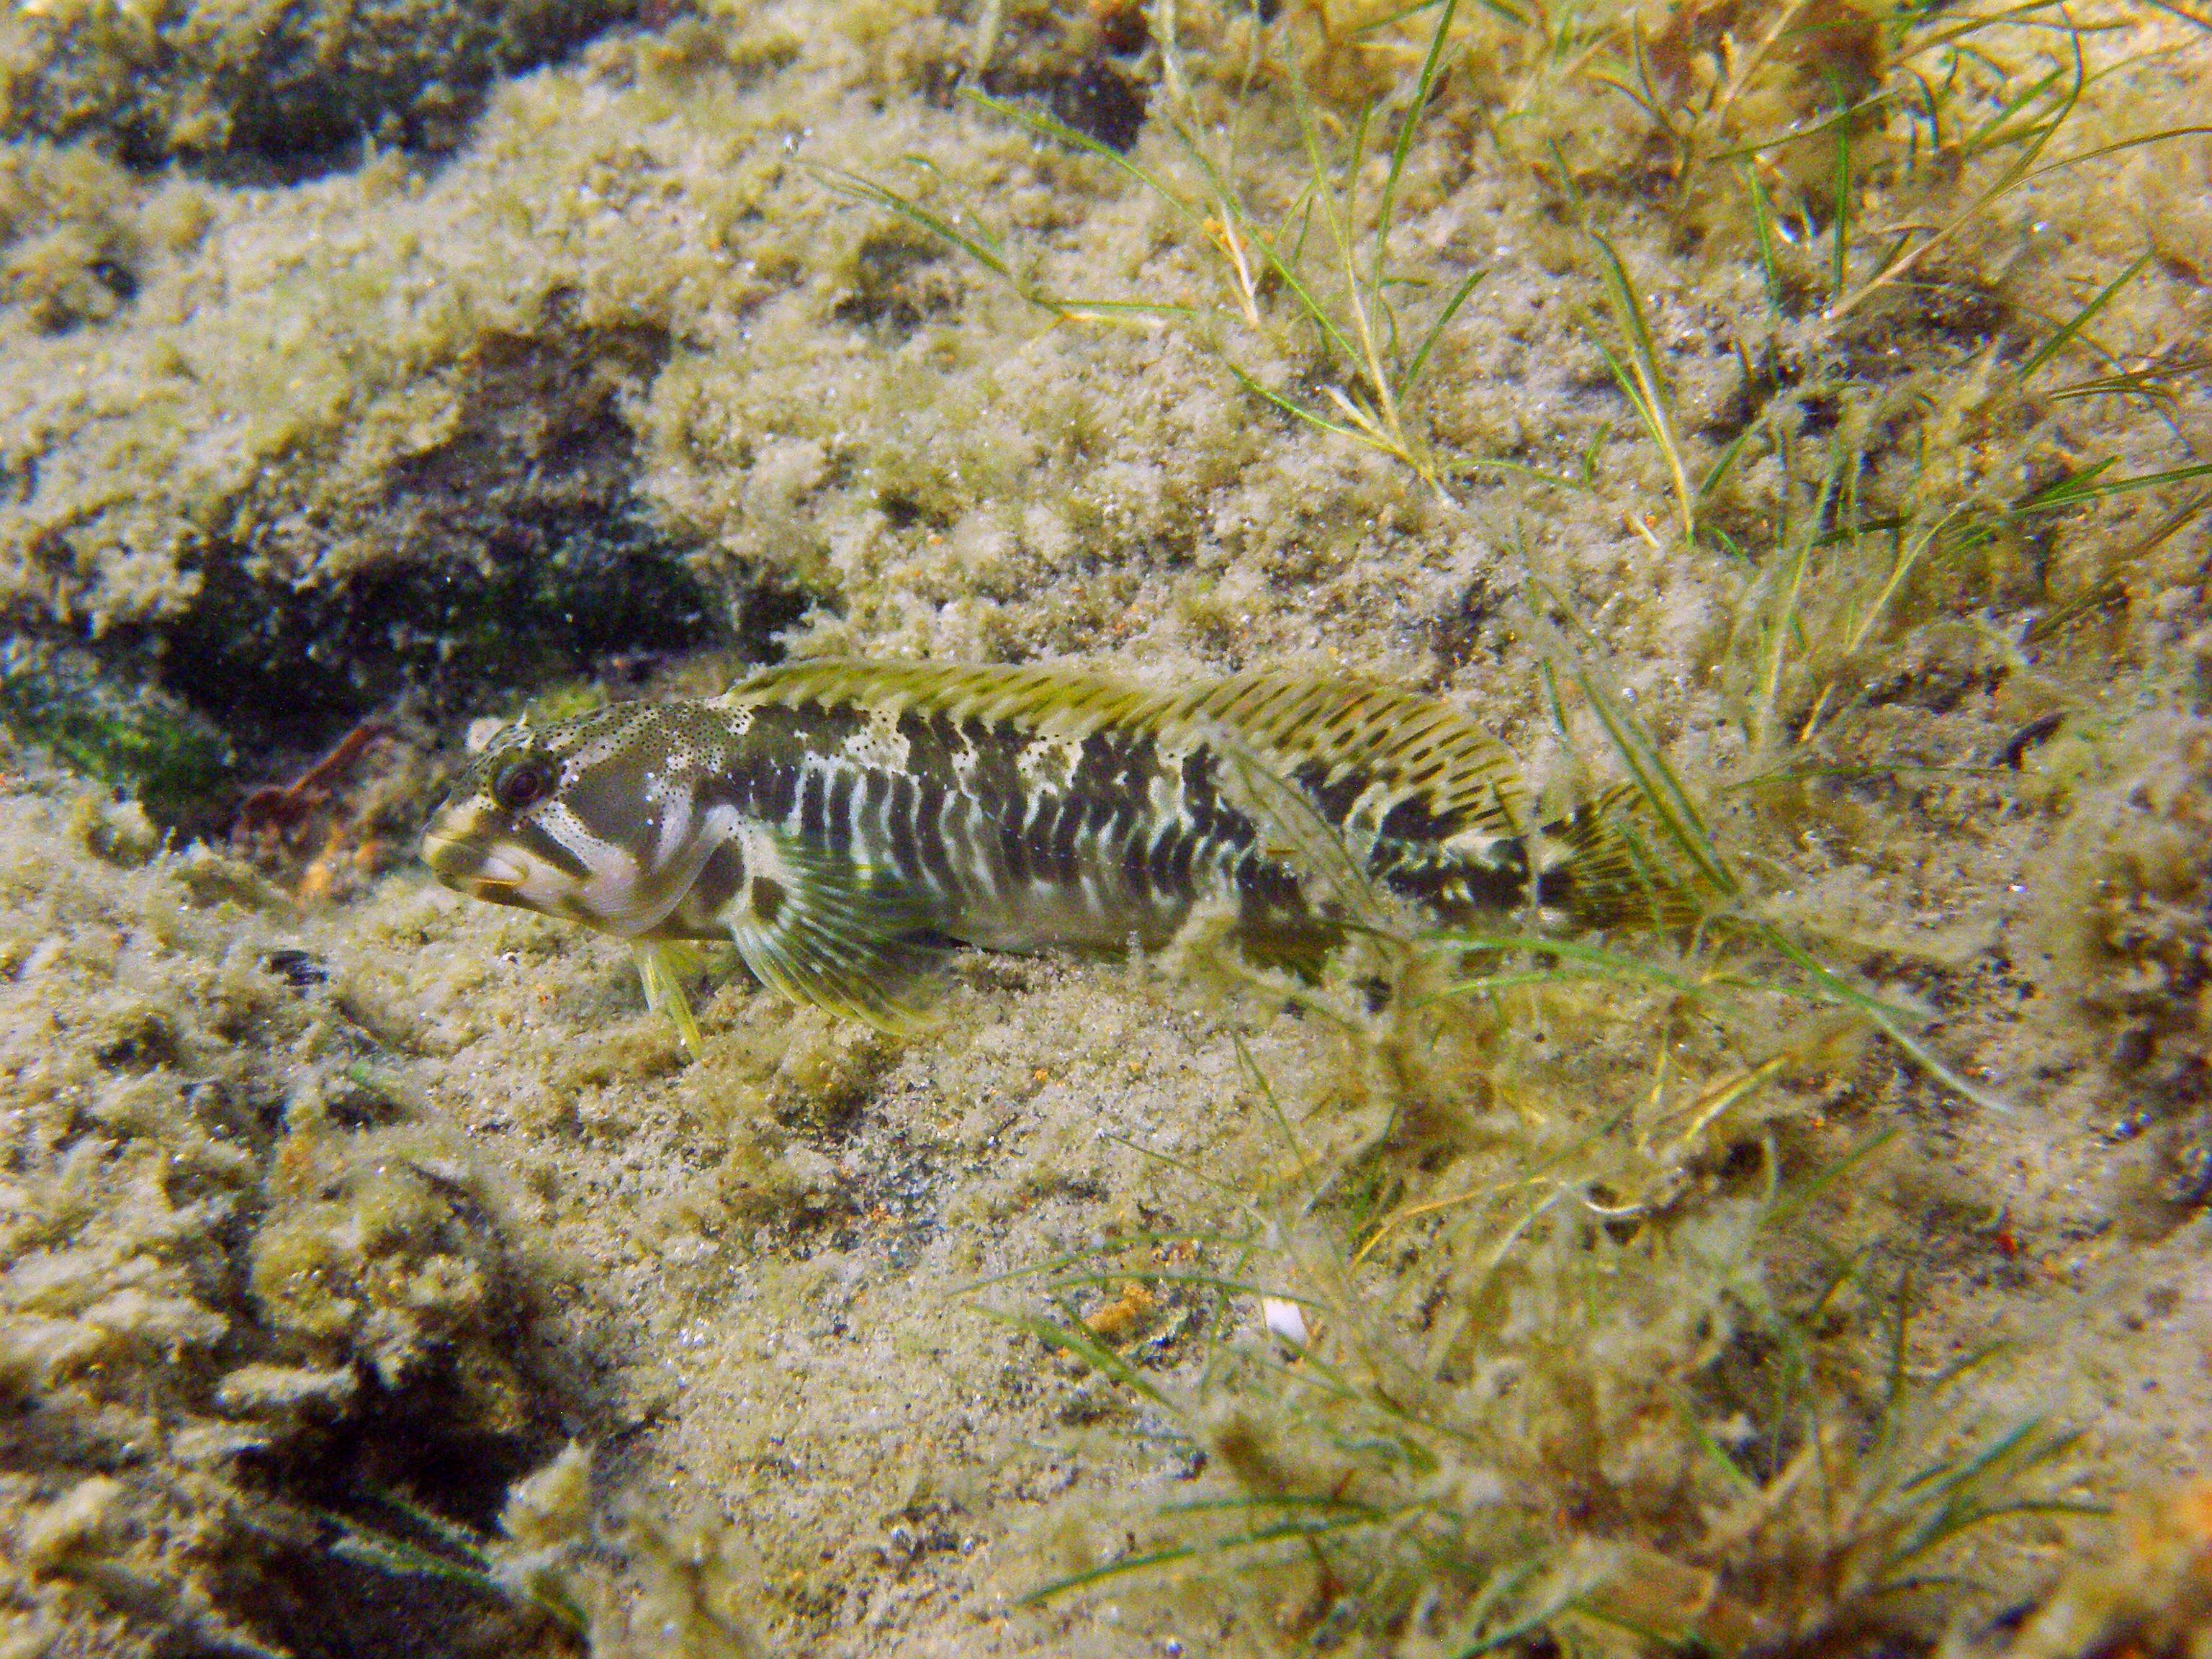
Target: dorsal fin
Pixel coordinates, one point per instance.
(1408, 748)
(1330, 727)
(1056, 701)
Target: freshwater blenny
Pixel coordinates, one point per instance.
(846, 823)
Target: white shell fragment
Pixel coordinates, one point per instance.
(1285, 1319)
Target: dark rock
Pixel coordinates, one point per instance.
(1098, 102)
(514, 553)
(273, 94)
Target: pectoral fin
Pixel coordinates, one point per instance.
(843, 936)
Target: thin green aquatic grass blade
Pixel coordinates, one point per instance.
(1390, 19)
(1844, 1271)
(1961, 32)
(403, 1558)
(1888, 1020)
(1656, 780)
(1794, 1201)
(1256, 1076)
(1076, 310)
(1469, 465)
(1181, 1166)
(2166, 528)
(1967, 1364)
(2158, 381)
(1780, 632)
(2118, 144)
(1356, 410)
(1317, 314)
(1590, 962)
(1060, 131)
(1248, 1502)
(1839, 224)
(2099, 596)
(1996, 132)
(1046, 1269)
(1491, 984)
(1981, 1515)
(1337, 428)
(1412, 375)
(1806, 134)
(1300, 209)
(1286, 1531)
(1889, 1421)
(1362, 302)
(1323, 200)
(1306, 839)
(1906, 562)
(467, 1565)
(1794, 774)
(1596, 957)
(1931, 111)
(1712, 1451)
(1655, 100)
(1109, 1278)
(1720, 468)
(2089, 485)
(451, 1534)
(1505, 1581)
(1948, 1474)
(1363, 357)
(985, 253)
(2079, 488)
(661, 970)
(1422, 88)
(1527, 1625)
(1641, 379)
(2065, 337)
(1532, 1180)
(1354, 164)
(1073, 1339)
(1651, 416)
(2006, 1459)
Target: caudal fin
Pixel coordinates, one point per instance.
(1604, 869)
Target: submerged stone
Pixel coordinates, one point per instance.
(135, 736)
(281, 93)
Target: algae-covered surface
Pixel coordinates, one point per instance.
(1787, 424)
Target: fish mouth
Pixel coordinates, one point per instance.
(460, 862)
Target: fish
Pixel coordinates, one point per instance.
(848, 823)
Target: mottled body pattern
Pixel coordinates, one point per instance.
(846, 822)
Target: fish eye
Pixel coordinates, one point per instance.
(522, 783)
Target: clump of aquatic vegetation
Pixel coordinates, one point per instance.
(1557, 1320)
(1843, 153)
(557, 1563)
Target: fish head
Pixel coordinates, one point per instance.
(597, 820)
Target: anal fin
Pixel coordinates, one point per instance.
(845, 936)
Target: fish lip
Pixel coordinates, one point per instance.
(453, 858)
